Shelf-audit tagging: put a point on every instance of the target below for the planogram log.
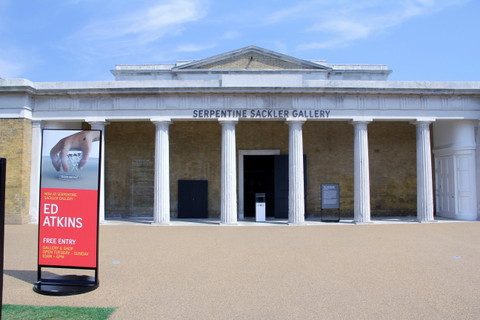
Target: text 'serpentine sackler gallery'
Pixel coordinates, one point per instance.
(199, 139)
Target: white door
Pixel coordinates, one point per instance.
(445, 186)
(450, 183)
(465, 182)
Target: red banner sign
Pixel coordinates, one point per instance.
(68, 227)
(68, 213)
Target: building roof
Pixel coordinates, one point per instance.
(253, 59)
(250, 53)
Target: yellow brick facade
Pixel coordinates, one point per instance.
(195, 154)
(16, 147)
(128, 146)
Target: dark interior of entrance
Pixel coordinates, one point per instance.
(259, 177)
(269, 175)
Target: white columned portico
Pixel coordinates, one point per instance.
(361, 176)
(100, 125)
(35, 170)
(424, 173)
(228, 205)
(161, 199)
(296, 186)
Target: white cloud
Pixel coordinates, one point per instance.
(135, 34)
(194, 47)
(230, 35)
(342, 22)
(10, 68)
(147, 24)
(286, 13)
(280, 46)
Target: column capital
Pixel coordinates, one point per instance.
(37, 123)
(424, 119)
(423, 122)
(96, 120)
(165, 120)
(292, 120)
(360, 120)
(228, 120)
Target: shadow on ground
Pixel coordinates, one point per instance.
(28, 276)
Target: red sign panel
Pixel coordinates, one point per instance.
(68, 228)
(68, 213)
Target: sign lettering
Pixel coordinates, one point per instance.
(261, 113)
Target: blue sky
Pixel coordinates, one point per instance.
(64, 40)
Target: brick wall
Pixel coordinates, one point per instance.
(195, 154)
(129, 156)
(329, 150)
(392, 156)
(393, 168)
(16, 147)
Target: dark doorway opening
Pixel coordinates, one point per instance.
(259, 173)
(268, 174)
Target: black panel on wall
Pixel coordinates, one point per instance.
(193, 199)
(281, 186)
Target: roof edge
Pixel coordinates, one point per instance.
(251, 48)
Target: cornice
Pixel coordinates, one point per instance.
(215, 86)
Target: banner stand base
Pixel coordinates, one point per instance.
(65, 285)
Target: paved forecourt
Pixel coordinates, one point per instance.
(387, 271)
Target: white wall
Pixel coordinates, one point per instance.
(458, 134)
(456, 139)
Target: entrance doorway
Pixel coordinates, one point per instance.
(241, 155)
(258, 178)
(264, 171)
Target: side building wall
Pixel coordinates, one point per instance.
(16, 147)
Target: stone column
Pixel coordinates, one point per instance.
(228, 206)
(35, 170)
(100, 125)
(424, 173)
(296, 186)
(477, 167)
(361, 173)
(161, 200)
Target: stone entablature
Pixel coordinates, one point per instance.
(145, 99)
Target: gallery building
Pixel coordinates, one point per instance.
(198, 139)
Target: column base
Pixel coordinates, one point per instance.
(362, 222)
(297, 223)
(230, 224)
(427, 221)
(161, 224)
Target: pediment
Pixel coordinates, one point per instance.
(251, 58)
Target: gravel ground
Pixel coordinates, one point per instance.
(381, 271)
